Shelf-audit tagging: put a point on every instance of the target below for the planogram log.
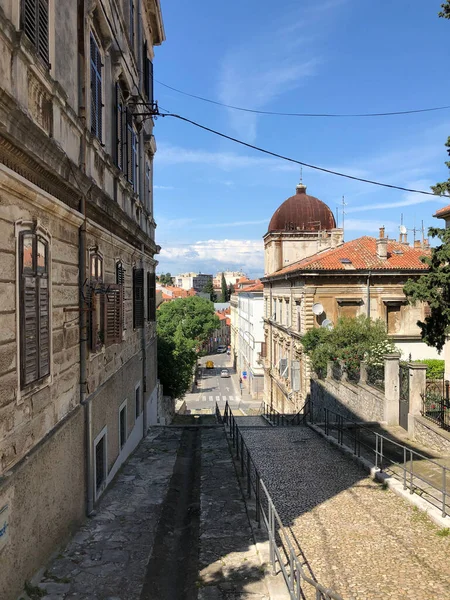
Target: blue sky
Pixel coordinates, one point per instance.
(213, 199)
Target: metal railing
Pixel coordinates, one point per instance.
(281, 550)
(436, 403)
(282, 420)
(375, 376)
(387, 455)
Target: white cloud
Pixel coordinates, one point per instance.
(214, 255)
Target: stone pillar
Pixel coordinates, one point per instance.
(363, 372)
(391, 388)
(417, 382)
(329, 369)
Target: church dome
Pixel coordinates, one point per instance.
(302, 213)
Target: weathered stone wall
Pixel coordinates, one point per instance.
(46, 497)
(27, 415)
(430, 435)
(353, 401)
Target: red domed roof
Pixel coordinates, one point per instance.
(302, 213)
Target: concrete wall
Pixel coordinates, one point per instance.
(45, 494)
(353, 401)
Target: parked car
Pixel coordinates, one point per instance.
(221, 349)
(224, 373)
(209, 364)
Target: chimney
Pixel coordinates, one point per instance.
(382, 245)
(417, 244)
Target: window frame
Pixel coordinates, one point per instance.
(123, 409)
(43, 317)
(99, 487)
(138, 405)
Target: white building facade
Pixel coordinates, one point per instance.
(250, 334)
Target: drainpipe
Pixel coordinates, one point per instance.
(82, 277)
(368, 294)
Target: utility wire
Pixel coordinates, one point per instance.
(299, 162)
(286, 114)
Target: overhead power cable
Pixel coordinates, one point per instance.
(287, 114)
(299, 162)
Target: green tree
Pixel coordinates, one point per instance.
(209, 289)
(182, 325)
(224, 294)
(165, 279)
(230, 291)
(351, 340)
(445, 12)
(433, 287)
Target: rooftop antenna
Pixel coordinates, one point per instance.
(301, 174)
(337, 216)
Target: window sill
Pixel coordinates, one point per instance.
(33, 388)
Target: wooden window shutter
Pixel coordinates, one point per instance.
(138, 298)
(44, 328)
(120, 273)
(151, 296)
(129, 137)
(119, 127)
(150, 81)
(35, 25)
(112, 314)
(42, 46)
(29, 333)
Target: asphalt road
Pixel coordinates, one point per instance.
(212, 388)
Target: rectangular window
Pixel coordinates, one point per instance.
(138, 298)
(137, 399)
(122, 425)
(34, 308)
(100, 462)
(149, 185)
(132, 24)
(298, 306)
(95, 302)
(112, 312)
(151, 296)
(34, 18)
(288, 316)
(148, 75)
(96, 89)
(120, 119)
(131, 164)
(393, 318)
(120, 280)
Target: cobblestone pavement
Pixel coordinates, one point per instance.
(356, 537)
(107, 558)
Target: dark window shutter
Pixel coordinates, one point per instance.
(138, 298)
(29, 337)
(42, 45)
(112, 314)
(150, 81)
(29, 19)
(96, 89)
(93, 318)
(144, 68)
(44, 328)
(151, 297)
(120, 273)
(119, 128)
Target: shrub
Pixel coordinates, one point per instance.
(436, 367)
(352, 340)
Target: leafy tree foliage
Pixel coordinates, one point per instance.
(444, 187)
(436, 367)
(351, 340)
(445, 12)
(209, 289)
(224, 294)
(230, 291)
(434, 287)
(165, 279)
(182, 325)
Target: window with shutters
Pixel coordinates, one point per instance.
(138, 298)
(95, 302)
(148, 75)
(121, 134)
(96, 88)
(137, 401)
(34, 18)
(151, 296)
(132, 24)
(149, 186)
(120, 280)
(34, 308)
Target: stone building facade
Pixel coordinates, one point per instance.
(316, 279)
(78, 382)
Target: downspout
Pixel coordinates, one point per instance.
(368, 294)
(82, 277)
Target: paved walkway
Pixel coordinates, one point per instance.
(356, 537)
(137, 544)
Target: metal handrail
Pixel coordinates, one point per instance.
(342, 425)
(291, 568)
(282, 419)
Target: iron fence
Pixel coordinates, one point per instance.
(281, 550)
(436, 402)
(282, 420)
(375, 376)
(387, 455)
(337, 370)
(353, 373)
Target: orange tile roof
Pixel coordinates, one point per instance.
(362, 253)
(256, 287)
(442, 211)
